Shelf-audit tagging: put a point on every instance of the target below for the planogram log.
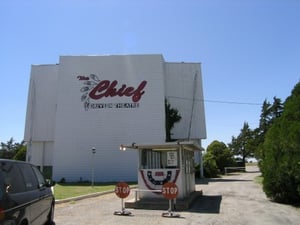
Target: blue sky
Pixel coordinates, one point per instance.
(249, 49)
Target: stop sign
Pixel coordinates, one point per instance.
(122, 190)
(170, 190)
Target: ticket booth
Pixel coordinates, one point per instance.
(167, 162)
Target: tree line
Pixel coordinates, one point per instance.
(13, 150)
(275, 143)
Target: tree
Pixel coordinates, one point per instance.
(21, 153)
(8, 149)
(11, 148)
(269, 113)
(221, 154)
(276, 109)
(281, 163)
(244, 144)
(172, 117)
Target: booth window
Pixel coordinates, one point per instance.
(159, 159)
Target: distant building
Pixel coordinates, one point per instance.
(100, 102)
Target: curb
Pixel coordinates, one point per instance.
(82, 197)
(96, 194)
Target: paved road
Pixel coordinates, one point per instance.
(233, 199)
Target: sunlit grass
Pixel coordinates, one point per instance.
(259, 180)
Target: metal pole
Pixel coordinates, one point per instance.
(201, 165)
(123, 208)
(43, 157)
(170, 207)
(93, 165)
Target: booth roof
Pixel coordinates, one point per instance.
(168, 146)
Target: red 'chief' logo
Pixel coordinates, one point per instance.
(106, 88)
(94, 88)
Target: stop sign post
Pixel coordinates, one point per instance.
(122, 190)
(170, 192)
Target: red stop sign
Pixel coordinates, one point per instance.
(170, 190)
(122, 190)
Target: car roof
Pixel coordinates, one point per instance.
(13, 161)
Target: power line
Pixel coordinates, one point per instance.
(219, 101)
(231, 102)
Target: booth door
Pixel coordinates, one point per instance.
(189, 172)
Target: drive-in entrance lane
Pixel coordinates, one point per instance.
(234, 199)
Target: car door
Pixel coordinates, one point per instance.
(14, 197)
(46, 195)
(32, 189)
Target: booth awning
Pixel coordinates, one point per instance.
(168, 146)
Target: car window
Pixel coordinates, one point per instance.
(29, 177)
(12, 178)
(1, 186)
(39, 176)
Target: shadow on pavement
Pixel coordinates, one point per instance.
(253, 171)
(207, 204)
(228, 180)
(211, 180)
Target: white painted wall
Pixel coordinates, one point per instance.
(78, 130)
(63, 131)
(42, 153)
(41, 112)
(41, 105)
(183, 84)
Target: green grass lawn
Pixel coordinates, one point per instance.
(259, 180)
(69, 190)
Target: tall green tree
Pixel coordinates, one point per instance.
(172, 117)
(269, 113)
(265, 117)
(281, 163)
(244, 144)
(276, 109)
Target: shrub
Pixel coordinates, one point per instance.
(197, 171)
(221, 154)
(281, 167)
(210, 168)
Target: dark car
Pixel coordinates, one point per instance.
(26, 197)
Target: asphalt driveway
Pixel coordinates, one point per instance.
(234, 199)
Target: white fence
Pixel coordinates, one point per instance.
(243, 169)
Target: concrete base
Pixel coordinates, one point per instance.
(163, 204)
